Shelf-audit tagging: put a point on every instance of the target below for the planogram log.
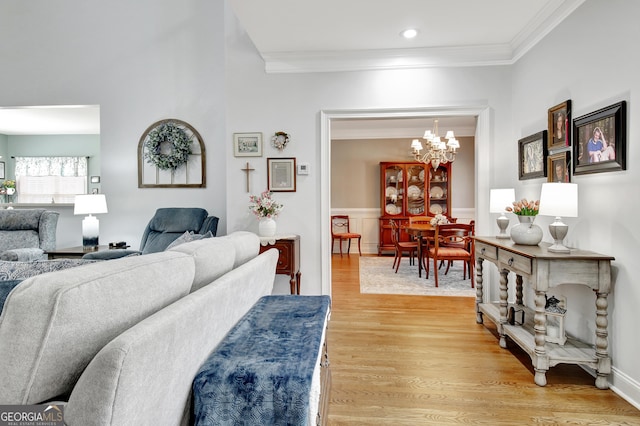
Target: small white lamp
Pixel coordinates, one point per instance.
(90, 204)
(499, 200)
(559, 199)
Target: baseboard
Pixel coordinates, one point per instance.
(621, 384)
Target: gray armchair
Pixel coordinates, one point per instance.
(26, 234)
(167, 225)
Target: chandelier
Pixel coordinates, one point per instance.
(437, 152)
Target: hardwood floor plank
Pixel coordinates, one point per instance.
(421, 360)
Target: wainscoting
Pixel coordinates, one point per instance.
(366, 223)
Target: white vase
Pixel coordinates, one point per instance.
(267, 227)
(11, 191)
(526, 232)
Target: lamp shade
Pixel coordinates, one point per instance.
(559, 199)
(90, 204)
(500, 199)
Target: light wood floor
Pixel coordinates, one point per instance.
(419, 360)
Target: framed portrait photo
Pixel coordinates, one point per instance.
(558, 167)
(600, 140)
(532, 152)
(247, 144)
(281, 174)
(559, 126)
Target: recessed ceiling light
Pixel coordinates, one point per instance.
(409, 33)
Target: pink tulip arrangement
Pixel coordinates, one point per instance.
(524, 207)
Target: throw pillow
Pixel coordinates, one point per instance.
(187, 237)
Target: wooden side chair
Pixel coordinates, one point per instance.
(453, 241)
(401, 247)
(340, 231)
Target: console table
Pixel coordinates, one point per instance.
(544, 270)
(289, 260)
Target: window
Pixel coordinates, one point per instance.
(50, 179)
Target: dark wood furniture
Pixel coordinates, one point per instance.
(340, 231)
(543, 270)
(73, 252)
(409, 189)
(423, 232)
(289, 259)
(452, 241)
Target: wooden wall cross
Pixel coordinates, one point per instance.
(247, 169)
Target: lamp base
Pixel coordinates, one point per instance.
(90, 231)
(558, 231)
(503, 223)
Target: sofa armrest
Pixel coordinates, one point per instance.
(47, 229)
(110, 254)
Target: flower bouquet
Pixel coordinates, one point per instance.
(439, 219)
(524, 207)
(263, 206)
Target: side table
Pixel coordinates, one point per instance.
(72, 252)
(289, 260)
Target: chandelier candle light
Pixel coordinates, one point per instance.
(498, 199)
(437, 152)
(559, 199)
(90, 204)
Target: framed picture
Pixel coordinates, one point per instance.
(2, 170)
(281, 174)
(559, 126)
(600, 140)
(247, 144)
(95, 179)
(558, 166)
(532, 151)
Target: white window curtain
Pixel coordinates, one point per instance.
(50, 179)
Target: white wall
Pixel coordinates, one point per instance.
(594, 69)
(141, 62)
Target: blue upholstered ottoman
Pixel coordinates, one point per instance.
(267, 369)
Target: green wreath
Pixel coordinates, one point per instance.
(168, 134)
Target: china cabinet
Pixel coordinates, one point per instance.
(411, 189)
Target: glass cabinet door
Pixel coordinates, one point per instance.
(394, 190)
(416, 190)
(439, 190)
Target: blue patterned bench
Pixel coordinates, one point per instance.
(267, 370)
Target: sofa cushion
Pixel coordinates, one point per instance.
(213, 257)
(247, 246)
(22, 254)
(18, 239)
(147, 371)
(53, 324)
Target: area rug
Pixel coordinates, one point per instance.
(377, 276)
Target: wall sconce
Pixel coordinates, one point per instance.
(499, 199)
(90, 204)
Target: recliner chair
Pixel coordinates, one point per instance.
(166, 225)
(26, 234)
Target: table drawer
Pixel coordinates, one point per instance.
(516, 262)
(486, 251)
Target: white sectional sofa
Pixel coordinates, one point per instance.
(121, 340)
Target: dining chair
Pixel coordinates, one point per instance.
(453, 241)
(340, 231)
(449, 263)
(401, 247)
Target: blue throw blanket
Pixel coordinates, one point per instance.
(5, 289)
(260, 374)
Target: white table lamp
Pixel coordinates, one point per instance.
(559, 199)
(90, 204)
(499, 200)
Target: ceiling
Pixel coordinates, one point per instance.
(339, 35)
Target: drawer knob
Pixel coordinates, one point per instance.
(510, 262)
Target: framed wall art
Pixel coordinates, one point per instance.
(532, 152)
(558, 167)
(600, 140)
(171, 154)
(2, 170)
(281, 174)
(559, 126)
(247, 144)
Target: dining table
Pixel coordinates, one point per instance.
(422, 232)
